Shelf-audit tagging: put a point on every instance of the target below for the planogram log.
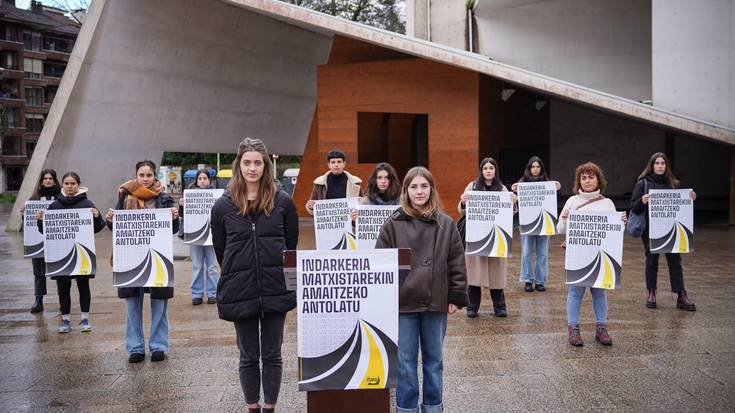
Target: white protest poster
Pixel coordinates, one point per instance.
(537, 208)
(68, 236)
(197, 211)
(670, 221)
(333, 224)
(489, 224)
(370, 219)
(142, 248)
(32, 236)
(347, 318)
(594, 249)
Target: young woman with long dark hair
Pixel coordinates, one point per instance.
(658, 175)
(252, 224)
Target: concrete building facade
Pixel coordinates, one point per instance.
(35, 46)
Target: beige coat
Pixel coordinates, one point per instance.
(489, 272)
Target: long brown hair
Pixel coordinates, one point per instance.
(265, 200)
(394, 188)
(433, 204)
(588, 168)
(497, 184)
(37, 190)
(671, 180)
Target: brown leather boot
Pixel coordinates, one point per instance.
(651, 299)
(684, 303)
(575, 338)
(601, 335)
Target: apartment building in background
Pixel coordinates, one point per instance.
(35, 46)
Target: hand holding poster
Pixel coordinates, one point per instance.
(333, 224)
(670, 221)
(594, 249)
(347, 318)
(69, 242)
(489, 224)
(197, 210)
(32, 236)
(537, 208)
(370, 219)
(142, 248)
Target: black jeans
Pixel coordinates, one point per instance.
(256, 343)
(474, 294)
(39, 277)
(676, 273)
(64, 287)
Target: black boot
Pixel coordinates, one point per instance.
(37, 305)
(474, 294)
(684, 302)
(498, 297)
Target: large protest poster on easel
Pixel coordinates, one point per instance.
(142, 248)
(489, 224)
(594, 249)
(670, 221)
(333, 224)
(32, 236)
(537, 210)
(370, 219)
(347, 318)
(197, 212)
(69, 242)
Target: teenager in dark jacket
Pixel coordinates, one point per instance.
(74, 196)
(336, 183)
(145, 192)
(47, 189)
(435, 286)
(384, 188)
(252, 224)
(658, 175)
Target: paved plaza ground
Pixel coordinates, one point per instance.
(662, 360)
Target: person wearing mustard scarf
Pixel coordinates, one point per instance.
(145, 192)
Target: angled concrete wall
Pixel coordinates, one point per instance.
(177, 75)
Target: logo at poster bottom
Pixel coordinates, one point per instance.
(602, 272)
(348, 242)
(33, 251)
(678, 241)
(199, 236)
(154, 271)
(544, 224)
(350, 367)
(495, 244)
(79, 261)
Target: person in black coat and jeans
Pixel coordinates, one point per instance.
(74, 196)
(658, 175)
(252, 224)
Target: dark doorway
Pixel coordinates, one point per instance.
(401, 139)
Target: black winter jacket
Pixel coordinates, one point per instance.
(163, 200)
(654, 182)
(250, 253)
(78, 201)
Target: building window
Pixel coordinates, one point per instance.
(8, 60)
(52, 69)
(11, 118)
(30, 147)
(401, 139)
(33, 68)
(32, 41)
(50, 94)
(11, 146)
(7, 32)
(34, 96)
(34, 122)
(57, 44)
(9, 89)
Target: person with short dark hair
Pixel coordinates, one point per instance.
(658, 175)
(336, 183)
(47, 189)
(74, 196)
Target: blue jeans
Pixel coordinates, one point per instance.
(134, 339)
(528, 242)
(574, 302)
(426, 328)
(204, 263)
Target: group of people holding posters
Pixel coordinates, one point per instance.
(345, 288)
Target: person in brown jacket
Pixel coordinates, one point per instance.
(435, 286)
(336, 183)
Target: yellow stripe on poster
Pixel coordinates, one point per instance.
(502, 250)
(159, 279)
(683, 240)
(375, 374)
(85, 267)
(607, 275)
(548, 224)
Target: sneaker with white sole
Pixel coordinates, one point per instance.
(65, 327)
(85, 326)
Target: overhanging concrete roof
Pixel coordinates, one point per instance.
(327, 24)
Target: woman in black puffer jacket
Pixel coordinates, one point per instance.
(658, 175)
(252, 224)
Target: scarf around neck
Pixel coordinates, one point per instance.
(138, 194)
